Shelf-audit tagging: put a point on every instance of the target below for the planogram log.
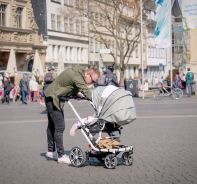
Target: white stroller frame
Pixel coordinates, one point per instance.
(110, 159)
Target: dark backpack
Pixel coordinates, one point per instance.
(48, 78)
(106, 80)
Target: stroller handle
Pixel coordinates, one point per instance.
(67, 98)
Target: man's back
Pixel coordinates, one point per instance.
(24, 84)
(190, 77)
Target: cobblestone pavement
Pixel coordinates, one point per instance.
(164, 138)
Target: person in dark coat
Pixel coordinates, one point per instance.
(7, 88)
(112, 77)
(24, 86)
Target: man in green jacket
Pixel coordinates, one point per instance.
(68, 83)
(189, 79)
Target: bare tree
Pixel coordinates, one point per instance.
(118, 20)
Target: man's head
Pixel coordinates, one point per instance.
(188, 69)
(91, 75)
(51, 69)
(24, 75)
(111, 68)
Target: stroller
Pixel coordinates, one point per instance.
(114, 108)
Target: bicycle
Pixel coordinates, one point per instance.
(175, 92)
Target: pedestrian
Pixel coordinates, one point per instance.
(177, 81)
(30, 97)
(189, 80)
(156, 81)
(1, 92)
(24, 86)
(68, 83)
(8, 86)
(49, 77)
(34, 88)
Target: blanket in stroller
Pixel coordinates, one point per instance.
(114, 104)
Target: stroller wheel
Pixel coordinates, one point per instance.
(111, 161)
(77, 157)
(127, 158)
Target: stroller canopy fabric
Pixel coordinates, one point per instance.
(113, 104)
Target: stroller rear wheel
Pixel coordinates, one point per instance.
(127, 158)
(111, 161)
(77, 157)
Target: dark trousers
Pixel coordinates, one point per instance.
(189, 86)
(56, 127)
(6, 97)
(24, 96)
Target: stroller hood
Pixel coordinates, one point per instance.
(113, 104)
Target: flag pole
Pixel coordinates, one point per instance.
(171, 43)
(141, 46)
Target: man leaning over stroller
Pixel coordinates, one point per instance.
(68, 83)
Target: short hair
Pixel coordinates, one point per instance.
(177, 73)
(94, 70)
(188, 69)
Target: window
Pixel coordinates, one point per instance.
(66, 1)
(59, 23)
(53, 22)
(77, 3)
(91, 45)
(136, 52)
(2, 15)
(71, 25)
(53, 52)
(78, 54)
(71, 2)
(82, 27)
(19, 17)
(149, 52)
(71, 53)
(66, 24)
(77, 27)
(96, 45)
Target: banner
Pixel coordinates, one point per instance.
(189, 14)
(163, 26)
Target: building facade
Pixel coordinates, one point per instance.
(18, 30)
(65, 36)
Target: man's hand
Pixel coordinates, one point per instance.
(80, 96)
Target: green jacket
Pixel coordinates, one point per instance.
(68, 83)
(189, 77)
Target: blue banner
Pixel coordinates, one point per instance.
(163, 26)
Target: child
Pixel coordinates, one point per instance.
(78, 124)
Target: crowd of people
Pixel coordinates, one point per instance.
(28, 90)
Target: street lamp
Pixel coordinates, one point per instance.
(141, 45)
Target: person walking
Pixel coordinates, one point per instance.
(189, 80)
(34, 88)
(24, 86)
(68, 83)
(49, 77)
(177, 81)
(7, 88)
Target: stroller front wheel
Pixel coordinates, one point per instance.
(111, 161)
(77, 157)
(127, 158)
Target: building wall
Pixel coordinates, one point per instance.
(23, 39)
(63, 44)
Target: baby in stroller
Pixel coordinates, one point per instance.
(114, 108)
